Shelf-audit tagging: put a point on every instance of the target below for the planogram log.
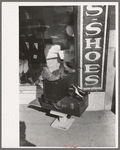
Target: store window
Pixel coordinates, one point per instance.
(47, 43)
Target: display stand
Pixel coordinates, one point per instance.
(62, 122)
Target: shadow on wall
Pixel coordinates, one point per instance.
(23, 141)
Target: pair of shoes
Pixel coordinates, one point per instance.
(73, 92)
(46, 74)
(23, 66)
(82, 92)
(76, 92)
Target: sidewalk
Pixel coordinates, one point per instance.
(92, 129)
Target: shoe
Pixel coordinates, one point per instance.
(73, 92)
(83, 93)
(46, 74)
(70, 70)
(21, 66)
(25, 66)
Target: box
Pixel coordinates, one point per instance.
(56, 90)
(67, 105)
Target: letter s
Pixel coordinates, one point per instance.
(92, 78)
(90, 28)
(91, 8)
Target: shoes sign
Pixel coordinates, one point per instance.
(93, 53)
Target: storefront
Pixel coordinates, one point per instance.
(66, 39)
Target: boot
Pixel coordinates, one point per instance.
(62, 70)
(46, 74)
(25, 66)
(67, 68)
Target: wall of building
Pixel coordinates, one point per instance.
(103, 100)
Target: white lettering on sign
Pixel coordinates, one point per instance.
(92, 68)
(98, 10)
(90, 28)
(94, 79)
(93, 45)
(97, 56)
(88, 43)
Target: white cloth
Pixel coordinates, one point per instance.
(25, 69)
(69, 30)
(21, 67)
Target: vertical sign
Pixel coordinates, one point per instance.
(93, 47)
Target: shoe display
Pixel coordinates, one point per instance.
(73, 92)
(83, 93)
(46, 74)
(76, 92)
(67, 68)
